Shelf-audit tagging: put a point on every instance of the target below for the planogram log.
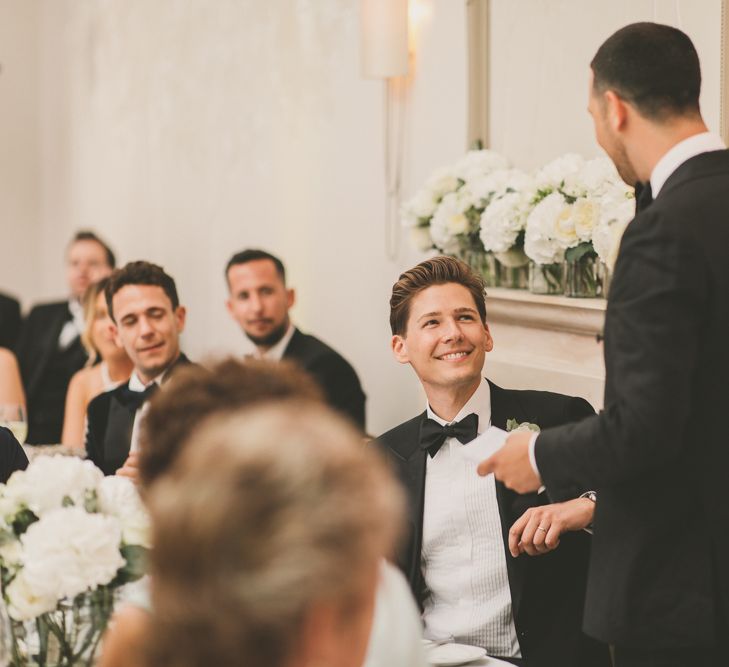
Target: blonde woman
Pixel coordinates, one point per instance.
(108, 365)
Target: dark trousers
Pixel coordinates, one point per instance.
(676, 657)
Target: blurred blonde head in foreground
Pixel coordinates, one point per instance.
(270, 558)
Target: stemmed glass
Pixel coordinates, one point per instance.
(13, 416)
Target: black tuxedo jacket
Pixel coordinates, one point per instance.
(333, 372)
(12, 456)
(9, 321)
(37, 345)
(547, 592)
(658, 455)
(110, 420)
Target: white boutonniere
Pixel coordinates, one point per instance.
(514, 425)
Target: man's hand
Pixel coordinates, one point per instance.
(538, 530)
(130, 468)
(511, 464)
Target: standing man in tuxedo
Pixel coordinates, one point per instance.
(49, 349)
(463, 564)
(259, 301)
(658, 455)
(149, 319)
(9, 321)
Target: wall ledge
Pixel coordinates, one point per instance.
(584, 317)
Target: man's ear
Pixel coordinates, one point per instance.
(115, 332)
(180, 316)
(400, 349)
(290, 297)
(489, 341)
(617, 111)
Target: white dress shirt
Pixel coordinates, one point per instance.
(276, 352)
(135, 384)
(463, 557)
(705, 142)
(74, 327)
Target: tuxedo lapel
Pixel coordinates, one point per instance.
(503, 408)
(118, 434)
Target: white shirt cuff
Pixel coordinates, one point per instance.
(533, 460)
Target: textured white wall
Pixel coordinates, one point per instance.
(19, 148)
(185, 131)
(540, 56)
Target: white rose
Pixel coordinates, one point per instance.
(24, 603)
(448, 221)
(441, 183)
(420, 207)
(11, 552)
(585, 214)
(540, 244)
(69, 551)
(49, 479)
(118, 497)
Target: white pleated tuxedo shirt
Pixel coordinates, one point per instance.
(463, 557)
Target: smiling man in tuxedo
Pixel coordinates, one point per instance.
(149, 319)
(259, 301)
(460, 555)
(658, 456)
(49, 347)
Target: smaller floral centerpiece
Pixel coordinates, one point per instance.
(69, 538)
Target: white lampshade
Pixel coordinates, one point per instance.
(384, 38)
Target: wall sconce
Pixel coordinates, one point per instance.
(384, 38)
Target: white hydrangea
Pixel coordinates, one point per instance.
(66, 552)
(118, 497)
(420, 237)
(420, 207)
(479, 163)
(47, 481)
(540, 242)
(563, 173)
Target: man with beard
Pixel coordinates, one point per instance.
(657, 456)
(259, 301)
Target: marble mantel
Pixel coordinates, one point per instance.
(547, 342)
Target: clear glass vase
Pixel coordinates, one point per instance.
(512, 269)
(585, 277)
(482, 262)
(68, 636)
(546, 278)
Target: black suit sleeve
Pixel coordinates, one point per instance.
(341, 385)
(9, 322)
(94, 414)
(655, 314)
(12, 456)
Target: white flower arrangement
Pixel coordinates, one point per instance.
(445, 213)
(568, 208)
(66, 533)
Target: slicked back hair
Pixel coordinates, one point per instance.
(251, 255)
(435, 271)
(654, 67)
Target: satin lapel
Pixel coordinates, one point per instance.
(411, 460)
(502, 409)
(118, 435)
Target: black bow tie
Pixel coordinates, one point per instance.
(433, 435)
(643, 196)
(135, 399)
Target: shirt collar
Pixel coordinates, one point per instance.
(682, 151)
(480, 403)
(136, 384)
(276, 352)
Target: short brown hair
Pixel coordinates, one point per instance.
(87, 235)
(267, 513)
(140, 273)
(434, 271)
(194, 393)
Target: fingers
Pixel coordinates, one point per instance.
(551, 539)
(487, 466)
(515, 533)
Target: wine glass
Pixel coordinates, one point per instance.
(13, 416)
